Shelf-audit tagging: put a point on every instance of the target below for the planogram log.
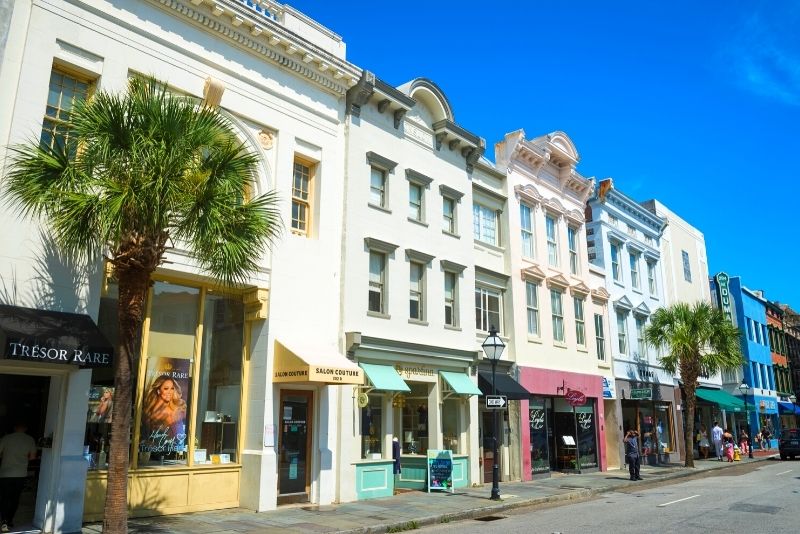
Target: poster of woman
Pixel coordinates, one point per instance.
(101, 402)
(164, 423)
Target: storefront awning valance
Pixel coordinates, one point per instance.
(787, 408)
(723, 399)
(504, 384)
(314, 365)
(460, 383)
(384, 377)
(42, 336)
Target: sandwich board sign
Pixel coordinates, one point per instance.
(440, 470)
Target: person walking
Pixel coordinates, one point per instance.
(744, 440)
(632, 454)
(702, 441)
(716, 438)
(766, 434)
(16, 449)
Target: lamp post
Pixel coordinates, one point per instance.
(493, 347)
(744, 388)
(793, 400)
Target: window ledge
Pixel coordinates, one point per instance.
(619, 283)
(378, 315)
(451, 234)
(582, 348)
(415, 221)
(604, 364)
(636, 290)
(534, 339)
(490, 246)
(559, 344)
(379, 208)
(418, 322)
(451, 327)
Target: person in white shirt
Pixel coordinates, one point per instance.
(716, 437)
(16, 449)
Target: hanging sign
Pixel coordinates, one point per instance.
(641, 393)
(575, 397)
(440, 470)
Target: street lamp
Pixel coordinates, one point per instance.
(793, 400)
(744, 388)
(493, 347)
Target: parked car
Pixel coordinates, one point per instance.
(789, 444)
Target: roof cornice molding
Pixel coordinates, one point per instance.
(636, 211)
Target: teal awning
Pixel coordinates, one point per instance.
(384, 377)
(460, 383)
(723, 399)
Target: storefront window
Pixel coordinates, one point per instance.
(664, 427)
(220, 385)
(540, 453)
(372, 428)
(414, 419)
(587, 434)
(450, 424)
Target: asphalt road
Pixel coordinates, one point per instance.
(753, 498)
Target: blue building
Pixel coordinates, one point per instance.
(747, 310)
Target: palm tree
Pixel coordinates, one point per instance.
(695, 340)
(140, 172)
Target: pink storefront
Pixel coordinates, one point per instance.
(561, 437)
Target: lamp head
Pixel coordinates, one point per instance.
(493, 346)
(792, 399)
(743, 387)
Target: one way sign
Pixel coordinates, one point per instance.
(496, 401)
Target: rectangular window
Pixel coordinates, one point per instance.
(377, 282)
(634, 261)
(526, 230)
(640, 324)
(616, 272)
(580, 322)
(487, 308)
(377, 187)
(651, 278)
(687, 269)
(599, 337)
(415, 211)
(613, 221)
(451, 418)
(64, 92)
(449, 215)
(485, 224)
(372, 427)
(301, 198)
(416, 303)
(552, 242)
(556, 305)
(413, 415)
(764, 335)
(450, 299)
(622, 333)
(572, 239)
(532, 305)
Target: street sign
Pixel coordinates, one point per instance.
(497, 402)
(641, 393)
(575, 397)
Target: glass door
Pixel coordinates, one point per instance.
(540, 449)
(294, 460)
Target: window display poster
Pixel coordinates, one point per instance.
(101, 402)
(440, 470)
(164, 423)
(587, 437)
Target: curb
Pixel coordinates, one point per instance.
(492, 509)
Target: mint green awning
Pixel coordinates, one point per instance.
(723, 399)
(460, 383)
(384, 377)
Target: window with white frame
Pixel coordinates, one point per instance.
(616, 272)
(557, 309)
(377, 187)
(687, 268)
(487, 308)
(580, 321)
(415, 199)
(640, 344)
(377, 282)
(572, 241)
(634, 261)
(651, 278)
(552, 240)
(65, 90)
(301, 197)
(450, 298)
(449, 215)
(532, 305)
(526, 230)
(599, 337)
(485, 223)
(622, 333)
(416, 296)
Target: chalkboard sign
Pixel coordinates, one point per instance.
(440, 470)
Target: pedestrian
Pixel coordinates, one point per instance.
(716, 438)
(16, 449)
(765, 435)
(744, 441)
(632, 454)
(702, 441)
(727, 443)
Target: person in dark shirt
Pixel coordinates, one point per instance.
(632, 453)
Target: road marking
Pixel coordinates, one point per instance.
(679, 500)
(784, 472)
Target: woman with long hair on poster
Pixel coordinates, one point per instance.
(164, 407)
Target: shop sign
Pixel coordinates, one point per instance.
(609, 389)
(417, 373)
(641, 393)
(80, 356)
(440, 470)
(575, 397)
(724, 295)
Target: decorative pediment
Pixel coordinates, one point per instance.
(558, 281)
(635, 247)
(601, 294)
(575, 216)
(528, 193)
(553, 205)
(642, 309)
(623, 303)
(652, 255)
(533, 272)
(580, 289)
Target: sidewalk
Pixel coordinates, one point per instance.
(416, 508)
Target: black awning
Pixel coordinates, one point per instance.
(505, 386)
(52, 337)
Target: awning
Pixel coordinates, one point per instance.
(460, 383)
(504, 384)
(384, 377)
(723, 399)
(787, 408)
(310, 364)
(42, 336)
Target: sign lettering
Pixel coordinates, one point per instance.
(23, 351)
(575, 397)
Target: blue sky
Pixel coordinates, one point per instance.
(695, 104)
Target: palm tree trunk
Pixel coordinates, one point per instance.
(689, 391)
(133, 286)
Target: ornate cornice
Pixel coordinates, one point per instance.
(601, 294)
(534, 273)
(580, 289)
(528, 193)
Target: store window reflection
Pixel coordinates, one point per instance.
(372, 428)
(413, 408)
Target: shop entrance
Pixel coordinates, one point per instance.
(23, 399)
(294, 460)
